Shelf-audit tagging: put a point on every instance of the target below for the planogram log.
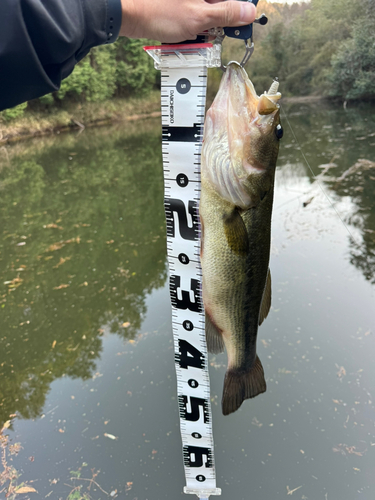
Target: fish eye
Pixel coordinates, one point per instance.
(279, 131)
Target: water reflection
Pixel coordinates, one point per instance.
(339, 145)
(82, 243)
(82, 269)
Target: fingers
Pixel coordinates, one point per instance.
(171, 21)
(231, 13)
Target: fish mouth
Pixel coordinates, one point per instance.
(238, 100)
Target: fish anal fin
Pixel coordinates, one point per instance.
(240, 385)
(214, 338)
(236, 233)
(266, 300)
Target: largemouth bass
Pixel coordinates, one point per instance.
(239, 153)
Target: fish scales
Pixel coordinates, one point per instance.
(239, 154)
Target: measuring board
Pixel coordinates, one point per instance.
(183, 97)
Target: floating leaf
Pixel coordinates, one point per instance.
(110, 436)
(25, 489)
(62, 261)
(52, 226)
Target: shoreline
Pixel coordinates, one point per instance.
(87, 115)
(78, 117)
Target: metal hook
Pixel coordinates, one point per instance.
(248, 53)
(240, 33)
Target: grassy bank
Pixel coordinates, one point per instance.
(72, 116)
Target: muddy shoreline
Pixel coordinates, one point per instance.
(44, 122)
(100, 115)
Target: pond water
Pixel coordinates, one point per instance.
(86, 352)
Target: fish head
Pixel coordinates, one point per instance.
(241, 139)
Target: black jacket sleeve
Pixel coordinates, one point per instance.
(42, 40)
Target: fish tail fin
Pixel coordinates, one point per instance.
(240, 385)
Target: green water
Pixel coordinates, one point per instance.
(85, 334)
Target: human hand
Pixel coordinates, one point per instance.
(177, 20)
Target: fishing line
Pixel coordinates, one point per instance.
(316, 179)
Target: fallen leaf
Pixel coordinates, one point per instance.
(53, 344)
(290, 492)
(342, 372)
(307, 202)
(7, 424)
(52, 226)
(25, 489)
(110, 436)
(256, 422)
(61, 286)
(60, 244)
(126, 324)
(55, 246)
(62, 261)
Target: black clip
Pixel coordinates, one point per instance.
(245, 32)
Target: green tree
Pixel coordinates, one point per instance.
(94, 78)
(135, 73)
(353, 67)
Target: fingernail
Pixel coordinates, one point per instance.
(247, 13)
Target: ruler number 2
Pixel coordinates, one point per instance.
(178, 206)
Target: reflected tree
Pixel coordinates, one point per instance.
(339, 145)
(82, 244)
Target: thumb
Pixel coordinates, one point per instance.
(233, 13)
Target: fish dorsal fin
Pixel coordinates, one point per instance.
(214, 338)
(266, 300)
(236, 233)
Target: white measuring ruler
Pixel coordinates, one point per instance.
(183, 97)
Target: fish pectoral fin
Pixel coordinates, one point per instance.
(240, 385)
(236, 233)
(214, 338)
(266, 300)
